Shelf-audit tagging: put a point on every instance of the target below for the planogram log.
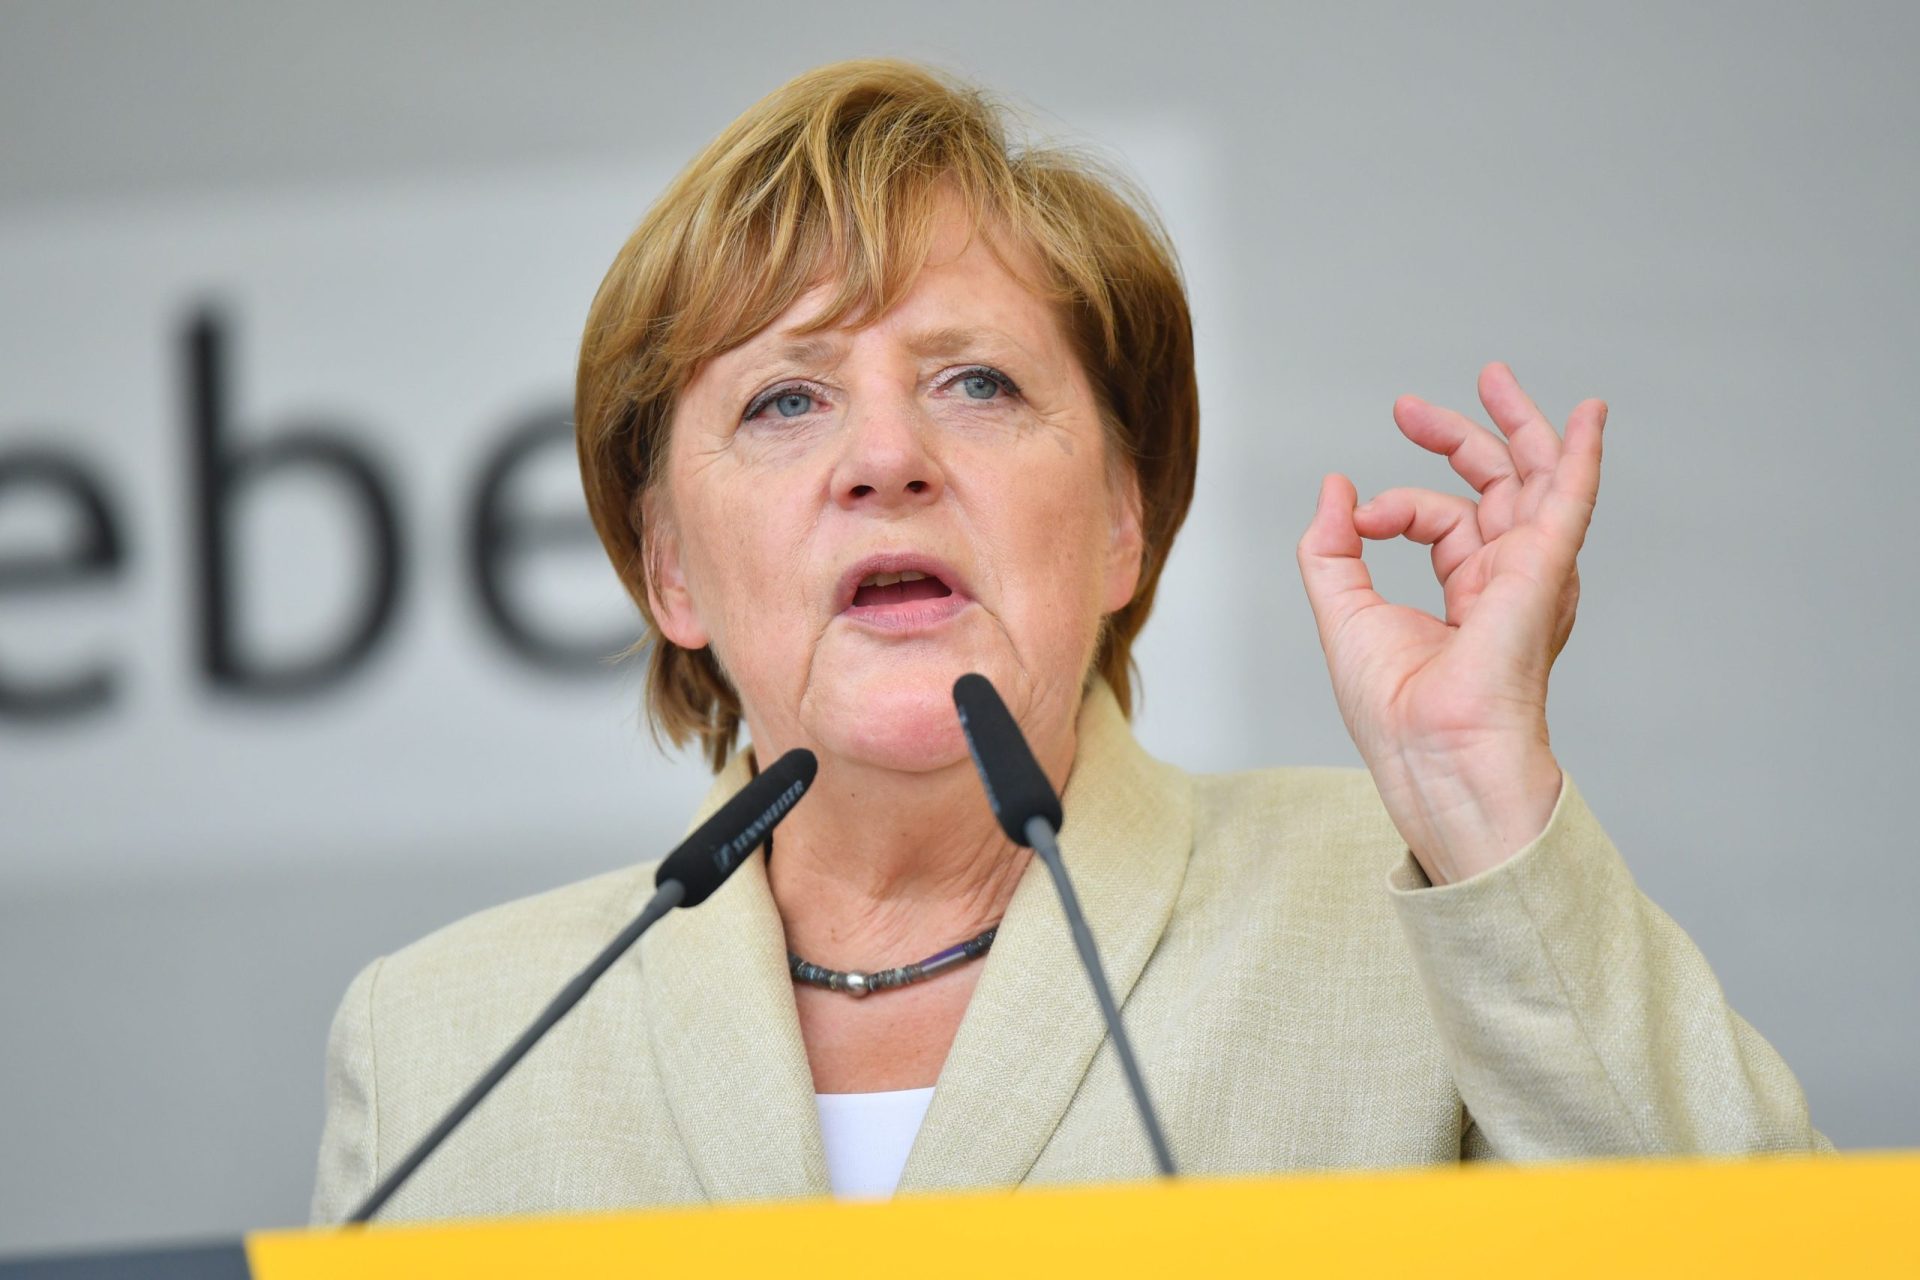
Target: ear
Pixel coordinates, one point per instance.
(1126, 545)
(668, 598)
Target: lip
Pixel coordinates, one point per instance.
(917, 615)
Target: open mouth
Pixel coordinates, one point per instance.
(902, 592)
(881, 589)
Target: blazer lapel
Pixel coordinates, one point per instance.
(1032, 1027)
(726, 1036)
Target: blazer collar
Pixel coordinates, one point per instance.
(726, 1035)
(727, 1039)
(1032, 1026)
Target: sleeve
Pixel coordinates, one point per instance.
(1579, 1020)
(349, 1142)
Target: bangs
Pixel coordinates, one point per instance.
(848, 197)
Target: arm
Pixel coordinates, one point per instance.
(349, 1143)
(1578, 1019)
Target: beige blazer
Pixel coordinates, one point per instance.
(1299, 996)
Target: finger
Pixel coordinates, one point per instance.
(1338, 584)
(1567, 509)
(1477, 455)
(1446, 522)
(1532, 623)
(1531, 438)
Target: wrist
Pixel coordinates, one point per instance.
(1465, 816)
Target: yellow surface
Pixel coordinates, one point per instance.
(1852, 1215)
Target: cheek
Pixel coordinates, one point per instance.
(741, 575)
(1054, 553)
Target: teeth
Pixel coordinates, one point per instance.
(888, 579)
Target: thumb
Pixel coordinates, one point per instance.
(1335, 576)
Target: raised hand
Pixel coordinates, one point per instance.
(1450, 714)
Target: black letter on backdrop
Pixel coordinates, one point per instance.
(97, 552)
(498, 536)
(219, 470)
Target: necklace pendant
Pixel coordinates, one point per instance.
(857, 983)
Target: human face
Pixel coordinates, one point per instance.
(953, 441)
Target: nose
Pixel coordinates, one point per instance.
(886, 464)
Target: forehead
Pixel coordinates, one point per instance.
(972, 288)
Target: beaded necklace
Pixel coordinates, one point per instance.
(857, 984)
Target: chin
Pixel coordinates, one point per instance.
(895, 721)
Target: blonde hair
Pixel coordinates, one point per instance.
(838, 175)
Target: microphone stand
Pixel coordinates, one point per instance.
(1040, 838)
(665, 898)
(686, 877)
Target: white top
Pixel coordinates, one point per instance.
(868, 1136)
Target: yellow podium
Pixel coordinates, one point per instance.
(1820, 1215)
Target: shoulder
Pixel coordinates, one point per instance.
(1286, 919)
(512, 954)
(1325, 811)
(419, 1026)
(1318, 833)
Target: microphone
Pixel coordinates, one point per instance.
(1029, 812)
(686, 878)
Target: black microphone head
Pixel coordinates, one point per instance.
(1016, 786)
(708, 856)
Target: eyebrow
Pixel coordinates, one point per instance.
(824, 352)
(806, 351)
(955, 338)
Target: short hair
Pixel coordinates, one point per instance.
(836, 176)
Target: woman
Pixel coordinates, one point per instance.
(868, 402)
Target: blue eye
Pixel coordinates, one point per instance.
(983, 383)
(979, 386)
(787, 402)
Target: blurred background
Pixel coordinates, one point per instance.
(303, 632)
